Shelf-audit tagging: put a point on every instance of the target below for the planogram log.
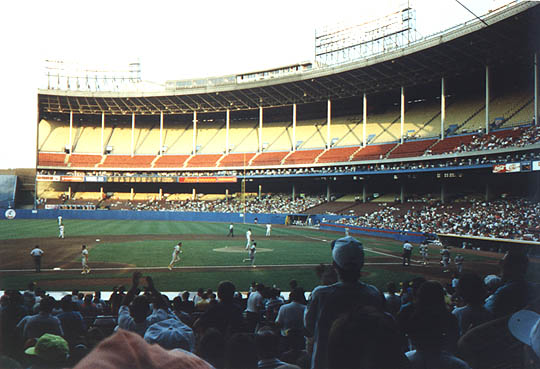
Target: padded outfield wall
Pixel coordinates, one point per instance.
(325, 221)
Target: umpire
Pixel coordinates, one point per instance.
(36, 255)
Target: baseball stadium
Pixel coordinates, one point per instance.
(387, 137)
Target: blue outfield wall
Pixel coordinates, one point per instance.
(402, 236)
(149, 215)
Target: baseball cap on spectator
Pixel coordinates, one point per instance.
(492, 281)
(348, 253)
(50, 348)
(525, 326)
(171, 334)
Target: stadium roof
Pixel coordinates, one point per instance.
(510, 38)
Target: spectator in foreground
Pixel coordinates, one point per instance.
(50, 351)
(471, 289)
(267, 342)
(128, 350)
(327, 303)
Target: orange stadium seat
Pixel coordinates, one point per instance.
(450, 143)
(236, 160)
(303, 157)
(337, 155)
(269, 158)
(203, 161)
(84, 160)
(373, 152)
(51, 159)
(128, 161)
(171, 161)
(412, 148)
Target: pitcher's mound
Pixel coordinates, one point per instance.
(240, 249)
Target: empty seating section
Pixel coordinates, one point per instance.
(236, 160)
(53, 136)
(345, 132)
(84, 160)
(203, 161)
(383, 126)
(127, 161)
(303, 157)
(211, 138)
(87, 140)
(171, 161)
(244, 136)
(450, 144)
(411, 148)
(467, 112)
(277, 136)
(147, 139)
(120, 140)
(268, 158)
(337, 155)
(310, 134)
(51, 159)
(372, 152)
(178, 140)
(417, 117)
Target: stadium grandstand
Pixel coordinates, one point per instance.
(429, 140)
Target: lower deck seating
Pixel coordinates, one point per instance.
(337, 155)
(373, 152)
(171, 161)
(269, 158)
(411, 148)
(303, 157)
(84, 160)
(236, 160)
(128, 161)
(203, 161)
(51, 159)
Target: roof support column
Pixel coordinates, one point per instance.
(260, 127)
(402, 114)
(102, 133)
(132, 134)
(194, 133)
(487, 99)
(443, 108)
(227, 127)
(161, 133)
(535, 66)
(70, 131)
(328, 123)
(364, 121)
(294, 127)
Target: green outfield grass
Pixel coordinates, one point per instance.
(306, 246)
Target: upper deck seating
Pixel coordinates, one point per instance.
(303, 157)
(412, 148)
(269, 158)
(337, 155)
(51, 159)
(236, 160)
(171, 161)
(373, 152)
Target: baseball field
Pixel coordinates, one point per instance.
(119, 247)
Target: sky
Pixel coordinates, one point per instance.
(171, 40)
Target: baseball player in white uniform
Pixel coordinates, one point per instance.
(61, 231)
(84, 260)
(175, 255)
(268, 229)
(252, 252)
(59, 220)
(248, 238)
(36, 255)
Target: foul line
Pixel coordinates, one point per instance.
(185, 268)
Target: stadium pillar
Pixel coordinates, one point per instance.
(535, 66)
(487, 99)
(293, 196)
(160, 133)
(328, 192)
(227, 194)
(102, 132)
(260, 191)
(294, 127)
(227, 126)
(364, 193)
(402, 113)
(131, 194)
(193, 194)
(402, 194)
(260, 127)
(70, 131)
(488, 192)
(364, 120)
(443, 192)
(443, 108)
(132, 134)
(194, 132)
(160, 197)
(328, 122)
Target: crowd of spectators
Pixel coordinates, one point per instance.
(481, 142)
(343, 324)
(503, 218)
